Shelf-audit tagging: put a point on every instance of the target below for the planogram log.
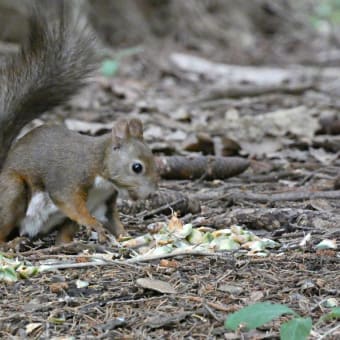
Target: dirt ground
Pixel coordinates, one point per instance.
(287, 192)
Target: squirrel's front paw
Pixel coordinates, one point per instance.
(101, 233)
(116, 228)
(18, 244)
(102, 236)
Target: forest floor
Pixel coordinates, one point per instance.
(286, 122)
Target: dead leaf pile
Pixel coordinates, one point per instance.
(174, 235)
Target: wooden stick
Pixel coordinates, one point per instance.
(141, 258)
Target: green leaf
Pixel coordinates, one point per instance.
(184, 232)
(56, 321)
(333, 314)
(109, 67)
(129, 51)
(223, 243)
(24, 272)
(330, 302)
(196, 236)
(326, 244)
(324, 10)
(8, 274)
(207, 238)
(256, 315)
(296, 329)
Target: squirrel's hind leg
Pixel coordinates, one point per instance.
(13, 203)
(66, 232)
(74, 207)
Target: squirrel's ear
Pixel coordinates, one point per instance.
(136, 128)
(120, 131)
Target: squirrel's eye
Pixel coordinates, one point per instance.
(137, 168)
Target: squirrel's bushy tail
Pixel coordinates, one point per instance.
(50, 68)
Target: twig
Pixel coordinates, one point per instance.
(178, 252)
(211, 312)
(329, 332)
(160, 209)
(73, 246)
(249, 90)
(97, 263)
(217, 306)
(52, 267)
(285, 196)
(141, 258)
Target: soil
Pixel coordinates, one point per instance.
(209, 288)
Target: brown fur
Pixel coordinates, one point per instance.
(49, 70)
(65, 164)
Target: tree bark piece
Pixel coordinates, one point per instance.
(162, 202)
(250, 90)
(277, 218)
(284, 196)
(209, 168)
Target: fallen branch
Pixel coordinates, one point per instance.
(285, 196)
(235, 74)
(53, 267)
(140, 258)
(174, 253)
(74, 247)
(332, 330)
(166, 319)
(276, 218)
(217, 306)
(249, 90)
(161, 202)
(209, 167)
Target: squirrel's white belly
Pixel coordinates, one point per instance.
(42, 214)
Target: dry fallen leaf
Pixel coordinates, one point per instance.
(81, 284)
(327, 244)
(175, 224)
(157, 285)
(58, 287)
(231, 289)
(168, 263)
(31, 327)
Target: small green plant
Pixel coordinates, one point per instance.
(13, 270)
(258, 314)
(110, 66)
(326, 11)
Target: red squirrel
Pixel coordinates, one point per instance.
(57, 167)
